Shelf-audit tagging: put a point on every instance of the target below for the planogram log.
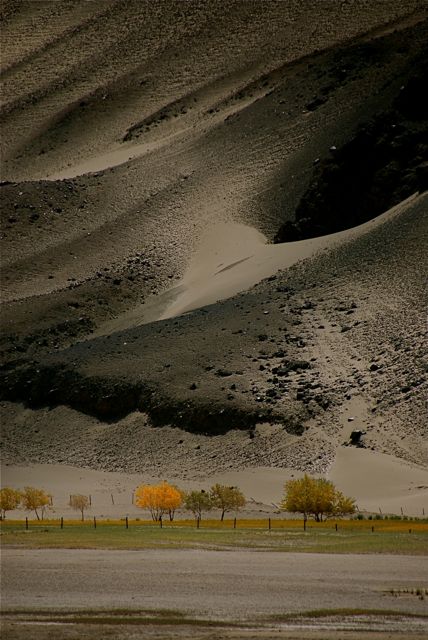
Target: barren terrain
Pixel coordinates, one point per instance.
(257, 596)
(214, 236)
(213, 269)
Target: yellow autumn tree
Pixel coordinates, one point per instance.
(159, 499)
(36, 500)
(316, 498)
(10, 500)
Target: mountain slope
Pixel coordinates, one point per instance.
(241, 122)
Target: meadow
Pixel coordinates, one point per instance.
(345, 536)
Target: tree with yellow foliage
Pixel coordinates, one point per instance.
(35, 500)
(317, 498)
(159, 499)
(227, 498)
(10, 500)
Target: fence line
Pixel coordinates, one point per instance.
(115, 500)
(267, 524)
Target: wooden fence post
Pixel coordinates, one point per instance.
(95, 522)
(197, 523)
(62, 523)
(335, 526)
(372, 529)
(126, 522)
(270, 525)
(26, 523)
(234, 523)
(90, 501)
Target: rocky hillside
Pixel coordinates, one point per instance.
(129, 129)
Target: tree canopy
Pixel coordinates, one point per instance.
(197, 502)
(79, 503)
(317, 498)
(36, 500)
(227, 498)
(159, 499)
(10, 499)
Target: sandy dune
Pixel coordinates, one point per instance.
(231, 258)
(151, 154)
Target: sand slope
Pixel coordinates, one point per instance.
(231, 258)
(378, 482)
(151, 153)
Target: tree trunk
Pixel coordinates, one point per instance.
(38, 517)
(222, 516)
(304, 521)
(82, 516)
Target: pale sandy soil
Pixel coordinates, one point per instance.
(227, 586)
(215, 584)
(231, 258)
(350, 631)
(387, 485)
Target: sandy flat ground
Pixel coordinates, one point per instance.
(377, 481)
(347, 631)
(225, 585)
(381, 481)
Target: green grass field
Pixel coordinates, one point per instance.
(285, 535)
